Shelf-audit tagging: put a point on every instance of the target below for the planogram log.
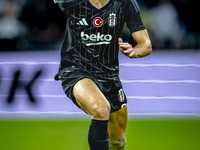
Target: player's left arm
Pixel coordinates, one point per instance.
(143, 45)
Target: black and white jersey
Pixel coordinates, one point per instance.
(91, 41)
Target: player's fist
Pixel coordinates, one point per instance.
(126, 48)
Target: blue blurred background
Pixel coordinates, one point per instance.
(166, 82)
(163, 88)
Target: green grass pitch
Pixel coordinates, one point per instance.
(72, 135)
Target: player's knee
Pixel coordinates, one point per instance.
(101, 112)
(118, 144)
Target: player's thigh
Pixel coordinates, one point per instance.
(117, 125)
(90, 99)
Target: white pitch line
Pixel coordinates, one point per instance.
(161, 81)
(28, 113)
(128, 97)
(29, 63)
(121, 64)
(122, 80)
(164, 97)
(159, 65)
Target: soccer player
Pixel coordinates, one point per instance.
(89, 67)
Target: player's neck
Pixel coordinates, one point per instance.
(99, 3)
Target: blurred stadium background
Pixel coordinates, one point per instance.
(163, 89)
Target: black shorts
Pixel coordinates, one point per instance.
(112, 90)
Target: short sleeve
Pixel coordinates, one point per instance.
(132, 16)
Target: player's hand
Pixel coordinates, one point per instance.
(126, 48)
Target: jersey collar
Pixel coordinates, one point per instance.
(96, 9)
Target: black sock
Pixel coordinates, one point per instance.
(98, 137)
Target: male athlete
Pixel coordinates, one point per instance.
(89, 68)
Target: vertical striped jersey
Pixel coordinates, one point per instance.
(91, 40)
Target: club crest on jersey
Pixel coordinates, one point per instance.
(121, 95)
(112, 20)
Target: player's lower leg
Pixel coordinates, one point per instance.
(117, 127)
(98, 137)
(118, 144)
(91, 100)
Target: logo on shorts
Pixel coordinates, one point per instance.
(112, 21)
(97, 22)
(121, 95)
